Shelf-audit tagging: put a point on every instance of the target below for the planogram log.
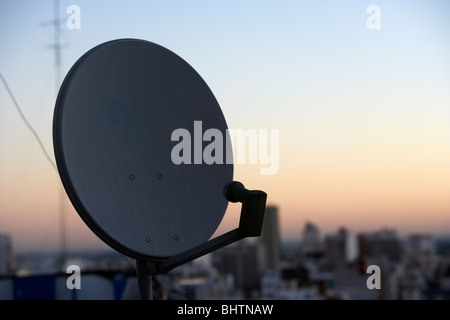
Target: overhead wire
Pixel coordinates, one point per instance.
(27, 123)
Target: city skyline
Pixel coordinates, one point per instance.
(335, 266)
(362, 114)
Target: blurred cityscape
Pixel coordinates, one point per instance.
(330, 267)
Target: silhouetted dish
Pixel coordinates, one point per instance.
(114, 117)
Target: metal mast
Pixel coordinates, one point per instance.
(57, 46)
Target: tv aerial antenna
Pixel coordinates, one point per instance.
(115, 112)
(57, 46)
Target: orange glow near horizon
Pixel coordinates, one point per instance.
(363, 115)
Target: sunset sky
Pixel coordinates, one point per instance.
(363, 115)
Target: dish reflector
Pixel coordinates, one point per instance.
(114, 117)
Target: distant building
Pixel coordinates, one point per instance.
(270, 284)
(383, 244)
(244, 261)
(270, 238)
(311, 244)
(342, 247)
(334, 250)
(421, 244)
(421, 250)
(351, 247)
(6, 255)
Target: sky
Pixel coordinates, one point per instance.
(363, 114)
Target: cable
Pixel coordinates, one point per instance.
(41, 145)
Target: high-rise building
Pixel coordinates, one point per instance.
(383, 244)
(270, 238)
(351, 247)
(6, 258)
(242, 260)
(341, 247)
(311, 244)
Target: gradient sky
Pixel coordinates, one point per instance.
(364, 115)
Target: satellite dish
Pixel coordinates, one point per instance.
(112, 132)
